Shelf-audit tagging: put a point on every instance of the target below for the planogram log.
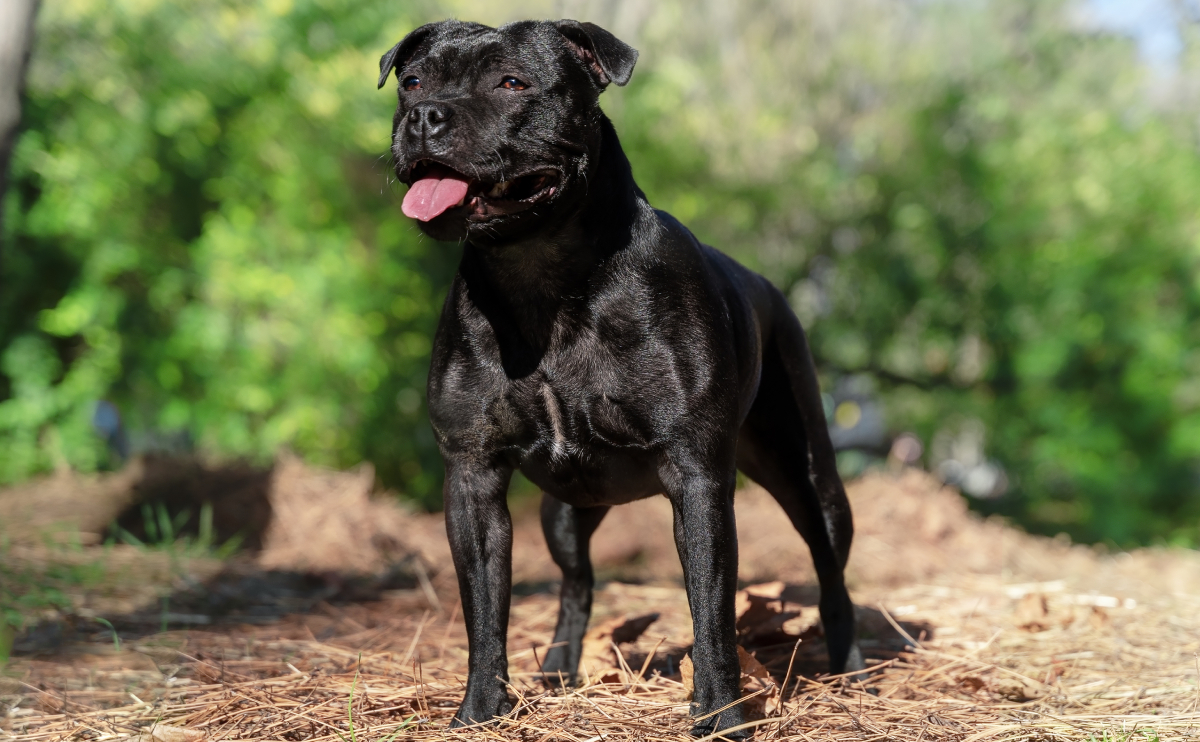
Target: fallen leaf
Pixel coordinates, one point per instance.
(972, 683)
(685, 675)
(751, 667)
(1098, 619)
(207, 673)
(941, 721)
(1033, 613)
(1067, 618)
(756, 678)
(753, 603)
(610, 678)
(773, 590)
(164, 733)
(598, 655)
(1020, 691)
(1056, 671)
(49, 703)
(760, 613)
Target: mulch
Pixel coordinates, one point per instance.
(973, 631)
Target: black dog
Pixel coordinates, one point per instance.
(594, 344)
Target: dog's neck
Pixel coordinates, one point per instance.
(522, 285)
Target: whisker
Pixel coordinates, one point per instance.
(500, 161)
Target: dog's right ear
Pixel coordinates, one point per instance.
(399, 54)
(608, 58)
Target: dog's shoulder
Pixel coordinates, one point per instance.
(733, 281)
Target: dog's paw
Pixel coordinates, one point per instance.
(854, 660)
(558, 679)
(556, 670)
(706, 728)
(481, 710)
(856, 665)
(730, 717)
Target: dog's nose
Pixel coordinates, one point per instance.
(429, 120)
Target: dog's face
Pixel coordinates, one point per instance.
(496, 128)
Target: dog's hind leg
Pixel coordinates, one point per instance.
(568, 531)
(784, 446)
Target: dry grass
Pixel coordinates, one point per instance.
(1034, 639)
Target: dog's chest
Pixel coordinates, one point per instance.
(569, 412)
(580, 430)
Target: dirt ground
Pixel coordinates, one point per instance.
(342, 622)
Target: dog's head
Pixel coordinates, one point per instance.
(497, 128)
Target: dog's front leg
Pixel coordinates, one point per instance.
(479, 527)
(707, 542)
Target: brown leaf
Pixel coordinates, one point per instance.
(598, 653)
(1056, 671)
(1033, 613)
(685, 675)
(164, 733)
(972, 682)
(49, 703)
(770, 590)
(756, 678)
(610, 678)
(207, 673)
(1098, 619)
(1018, 690)
(751, 667)
(753, 605)
(760, 612)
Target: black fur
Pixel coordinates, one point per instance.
(592, 342)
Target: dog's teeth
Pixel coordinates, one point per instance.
(499, 189)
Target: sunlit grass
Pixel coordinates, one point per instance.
(165, 532)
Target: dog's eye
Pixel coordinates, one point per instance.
(512, 83)
(412, 83)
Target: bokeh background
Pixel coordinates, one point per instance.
(986, 213)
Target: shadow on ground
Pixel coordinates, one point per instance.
(327, 563)
(385, 612)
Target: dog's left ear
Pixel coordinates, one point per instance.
(399, 54)
(608, 58)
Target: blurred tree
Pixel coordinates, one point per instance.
(977, 209)
(203, 230)
(16, 36)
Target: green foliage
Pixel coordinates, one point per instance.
(1010, 240)
(112, 630)
(202, 230)
(975, 206)
(30, 589)
(27, 591)
(7, 634)
(166, 532)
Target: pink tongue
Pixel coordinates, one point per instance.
(432, 195)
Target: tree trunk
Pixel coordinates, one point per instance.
(16, 39)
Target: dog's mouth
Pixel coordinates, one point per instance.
(436, 189)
